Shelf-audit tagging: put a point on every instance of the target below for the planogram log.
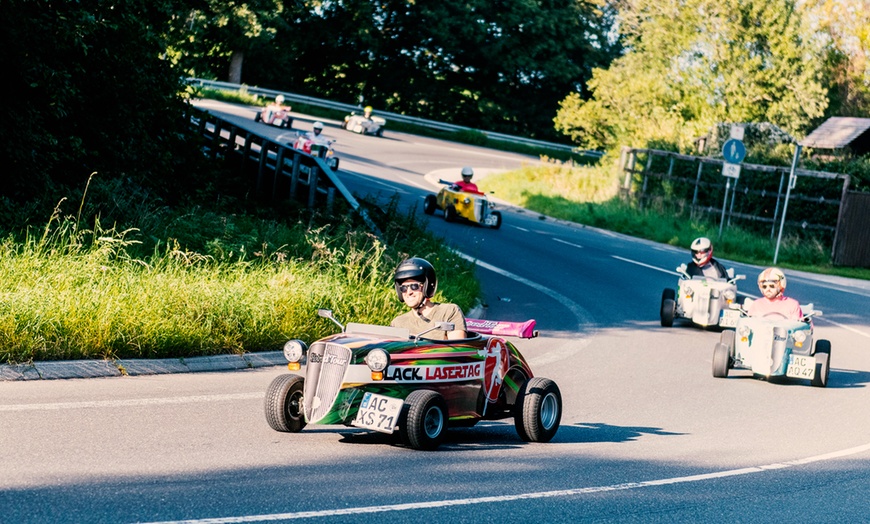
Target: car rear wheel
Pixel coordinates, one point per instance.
(423, 420)
(538, 410)
(669, 307)
(429, 204)
(721, 361)
(497, 215)
(450, 214)
(287, 123)
(823, 363)
(380, 133)
(284, 404)
(257, 117)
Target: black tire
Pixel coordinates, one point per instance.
(430, 203)
(284, 404)
(727, 339)
(668, 308)
(287, 124)
(497, 215)
(538, 410)
(823, 363)
(423, 420)
(721, 360)
(450, 214)
(380, 133)
(257, 117)
(335, 164)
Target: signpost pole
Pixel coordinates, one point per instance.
(792, 179)
(724, 205)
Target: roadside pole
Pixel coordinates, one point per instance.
(792, 180)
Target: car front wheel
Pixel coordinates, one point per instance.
(669, 307)
(450, 214)
(538, 411)
(823, 363)
(429, 204)
(721, 360)
(497, 215)
(423, 420)
(284, 404)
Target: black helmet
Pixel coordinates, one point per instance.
(416, 268)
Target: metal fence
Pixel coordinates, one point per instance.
(278, 171)
(396, 117)
(756, 198)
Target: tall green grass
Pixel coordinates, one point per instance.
(590, 195)
(75, 293)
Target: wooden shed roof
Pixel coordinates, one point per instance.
(837, 132)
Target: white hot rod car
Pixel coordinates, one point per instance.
(772, 346)
(703, 300)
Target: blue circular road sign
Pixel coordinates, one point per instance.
(734, 151)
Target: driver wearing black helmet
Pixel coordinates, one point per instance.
(415, 283)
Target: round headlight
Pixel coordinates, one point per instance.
(294, 350)
(688, 291)
(730, 295)
(378, 359)
(743, 331)
(800, 336)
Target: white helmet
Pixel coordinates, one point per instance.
(467, 172)
(279, 99)
(318, 125)
(702, 250)
(772, 274)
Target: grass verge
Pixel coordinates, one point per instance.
(247, 285)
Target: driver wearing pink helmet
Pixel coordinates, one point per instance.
(703, 263)
(771, 283)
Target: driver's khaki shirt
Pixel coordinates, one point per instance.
(442, 312)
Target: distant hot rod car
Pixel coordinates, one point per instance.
(386, 379)
(364, 124)
(473, 207)
(773, 346)
(276, 114)
(703, 300)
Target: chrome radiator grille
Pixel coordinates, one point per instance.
(324, 375)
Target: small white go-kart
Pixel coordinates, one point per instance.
(703, 300)
(774, 346)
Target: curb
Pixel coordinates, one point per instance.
(66, 369)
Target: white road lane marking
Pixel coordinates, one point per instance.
(568, 243)
(521, 229)
(129, 402)
(630, 261)
(528, 496)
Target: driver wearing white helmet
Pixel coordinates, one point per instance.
(703, 263)
(466, 184)
(771, 283)
(315, 135)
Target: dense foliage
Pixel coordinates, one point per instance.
(86, 90)
(500, 66)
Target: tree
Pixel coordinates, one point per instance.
(212, 37)
(497, 65)
(690, 64)
(87, 91)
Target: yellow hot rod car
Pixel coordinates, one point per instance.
(467, 206)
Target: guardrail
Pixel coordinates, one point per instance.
(278, 170)
(422, 122)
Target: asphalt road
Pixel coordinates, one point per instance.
(648, 435)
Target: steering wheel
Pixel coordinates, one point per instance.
(775, 314)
